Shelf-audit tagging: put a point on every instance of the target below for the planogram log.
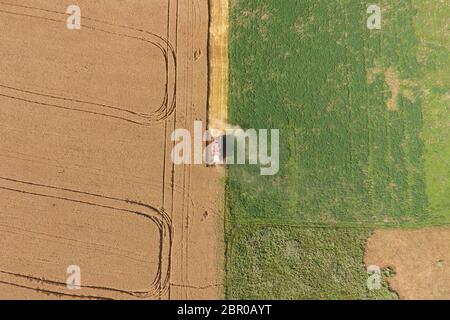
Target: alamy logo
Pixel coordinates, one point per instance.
(74, 277)
(374, 278)
(74, 19)
(234, 146)
(374, 21)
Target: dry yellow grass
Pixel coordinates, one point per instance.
(218, 57)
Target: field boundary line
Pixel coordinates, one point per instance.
(236, 223)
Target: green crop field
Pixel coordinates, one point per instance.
(364, 137)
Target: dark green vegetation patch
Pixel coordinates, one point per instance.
(297, 263)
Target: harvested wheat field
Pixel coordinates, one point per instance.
(419, 258)
(86, 177)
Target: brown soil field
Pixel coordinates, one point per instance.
(86, 176)
(420, 259)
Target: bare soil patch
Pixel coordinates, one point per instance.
(420, 259)
(393, 81)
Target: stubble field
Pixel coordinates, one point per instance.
(86, 177)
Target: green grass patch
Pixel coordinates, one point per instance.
(432, 27)
(299, 263)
